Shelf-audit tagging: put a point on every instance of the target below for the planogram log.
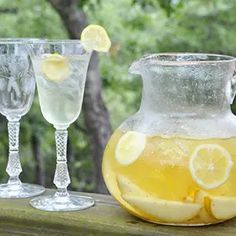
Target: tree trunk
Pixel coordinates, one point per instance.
(96, 120)
(39, 170)
(95, 113)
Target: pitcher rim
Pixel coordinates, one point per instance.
(216, 58)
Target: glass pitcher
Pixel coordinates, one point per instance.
(174, 161)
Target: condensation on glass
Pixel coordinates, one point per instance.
(174, 161)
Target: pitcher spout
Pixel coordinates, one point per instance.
(134, 68)
(138, 66)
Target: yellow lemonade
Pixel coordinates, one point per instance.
(174, 180)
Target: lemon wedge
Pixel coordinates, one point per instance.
(164, 210)
(216, 207)
(95, 37)
(202, 197)
(55, 67)
(129, 147)
(223, 208)
(210, 165)
(128, 187)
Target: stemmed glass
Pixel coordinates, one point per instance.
(17, 87)
(60, 68)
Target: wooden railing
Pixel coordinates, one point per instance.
(17, 217)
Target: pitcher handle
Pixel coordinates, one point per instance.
(233, 86)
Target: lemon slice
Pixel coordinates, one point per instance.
(210, 165)
(95, 37)
(129, 147)
(164, 210)
(55, 67)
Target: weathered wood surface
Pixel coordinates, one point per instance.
(105, 218)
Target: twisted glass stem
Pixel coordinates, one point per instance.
(61, 177)
(14, 166)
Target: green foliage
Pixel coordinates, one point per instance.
(35, 18)
(140, 27)
(136, 27)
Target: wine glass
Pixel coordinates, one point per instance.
(60, 68)
(17, 85)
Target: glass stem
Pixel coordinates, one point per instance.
(14, 166)
(61, 177)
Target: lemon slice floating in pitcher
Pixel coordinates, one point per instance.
(210, 165)
(129, 147)
(95, 37)
(55, 67)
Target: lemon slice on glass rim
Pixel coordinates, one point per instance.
(55, 67)
(95, 37)
(210, 165)
(129, 147)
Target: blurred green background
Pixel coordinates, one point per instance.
(136, 27)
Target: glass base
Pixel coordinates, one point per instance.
(68, 203)
(20, 191)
